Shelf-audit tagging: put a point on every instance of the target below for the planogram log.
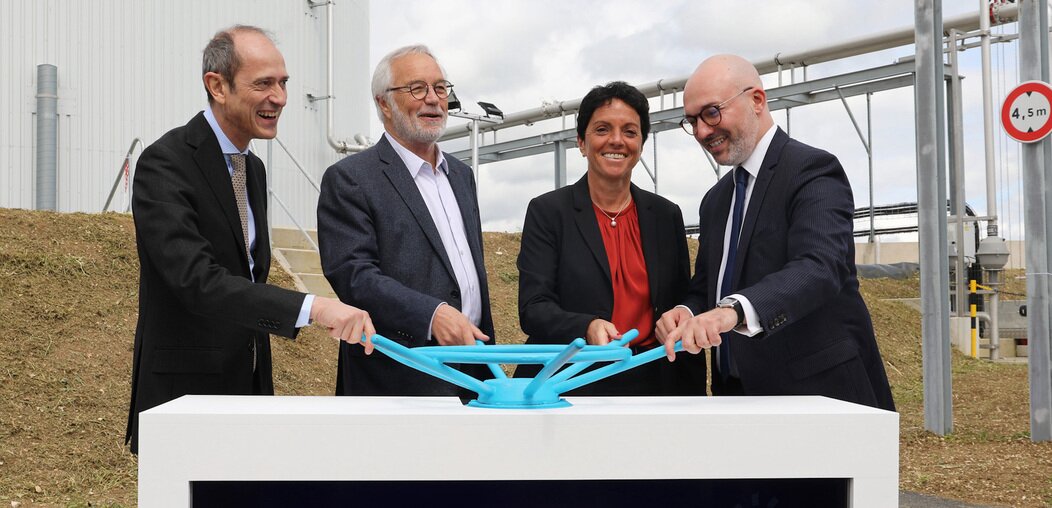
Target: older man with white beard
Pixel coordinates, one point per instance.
(400, 236)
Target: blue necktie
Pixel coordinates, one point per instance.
(741, 181)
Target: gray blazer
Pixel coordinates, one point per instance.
(381, 252)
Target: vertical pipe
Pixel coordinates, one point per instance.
(956, 139)
(938, 415)
(993, 280)
(869, 156)
(988, 118)
(560, 164)
(47, 137)
(653, 144)
(1037, 287)
(475, 151)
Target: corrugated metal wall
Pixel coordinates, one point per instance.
(132, 68)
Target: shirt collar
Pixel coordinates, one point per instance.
(412, 161)
(755, 160)
(225, 145)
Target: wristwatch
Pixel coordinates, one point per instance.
(733, 303)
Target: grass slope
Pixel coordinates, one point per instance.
(68, 299)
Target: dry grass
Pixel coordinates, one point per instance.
(68, 293)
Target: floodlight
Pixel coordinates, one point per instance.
(490, 109)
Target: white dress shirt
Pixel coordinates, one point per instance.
(751, 326)
(445, 212)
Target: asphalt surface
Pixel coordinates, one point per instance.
(915, 500)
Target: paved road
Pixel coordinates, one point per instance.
(915, 500)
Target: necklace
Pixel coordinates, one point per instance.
(613, 218)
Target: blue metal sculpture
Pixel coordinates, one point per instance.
(543, 390)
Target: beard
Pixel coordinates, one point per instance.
(741, 144)
(407, 128)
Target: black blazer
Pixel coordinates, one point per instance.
(200, 314)
(564, 278)
(796, 265)
(381, 252)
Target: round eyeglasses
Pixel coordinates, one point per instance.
(709, 114)
(418, 89)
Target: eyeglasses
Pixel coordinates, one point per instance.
(418, 89)
(710, 115)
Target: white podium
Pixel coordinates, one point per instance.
(224, 438)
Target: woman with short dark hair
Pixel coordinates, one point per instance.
(603, 256)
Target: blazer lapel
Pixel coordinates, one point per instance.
(402, 181)
(212, 164)
(759, 190)
(257, 199)
(715, 229)
(589, 229)
(648, 237)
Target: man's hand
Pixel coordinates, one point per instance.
(601, 332)
(702, 331)
(344, 322)
(450, 327)
(668, 322)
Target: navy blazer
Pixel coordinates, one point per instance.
(382, 252)
(200, 314)
(796, 266)
(564, 282)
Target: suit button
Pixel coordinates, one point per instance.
(455, 293)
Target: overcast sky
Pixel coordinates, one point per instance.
(519, 54)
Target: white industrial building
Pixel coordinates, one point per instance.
(129, 69)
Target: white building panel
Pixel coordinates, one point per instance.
(132, 69)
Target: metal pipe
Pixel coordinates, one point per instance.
(1037, 280)
(993, 281)
(330, 99)
(869, 157)
(956, 153)
(47, 137)
(988, 118)
(852, 47)
(938, 410)
(475, 152)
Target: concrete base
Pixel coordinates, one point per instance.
(398, 439)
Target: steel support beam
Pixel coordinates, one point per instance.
(867, 81)
(931, 203)
(1033, 65)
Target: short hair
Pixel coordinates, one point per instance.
(220, 55)
(382, 74)
(601, 95)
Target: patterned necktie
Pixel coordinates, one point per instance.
(241, 193)
(741, 182)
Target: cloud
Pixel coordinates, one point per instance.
(519, 54)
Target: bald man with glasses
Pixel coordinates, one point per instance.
(400, 235)
(774, 290)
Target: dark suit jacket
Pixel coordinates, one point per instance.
(200, 314)
(796, 265)
(564, 282)
(381, 252)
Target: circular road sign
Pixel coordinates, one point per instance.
(1026, 114)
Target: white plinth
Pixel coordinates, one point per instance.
(394, 438)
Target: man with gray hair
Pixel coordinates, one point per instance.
(400, 236)
(205, 310)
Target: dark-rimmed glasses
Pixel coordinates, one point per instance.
(709, 114)
(418, 89)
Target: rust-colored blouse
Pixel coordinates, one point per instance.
(628, 273)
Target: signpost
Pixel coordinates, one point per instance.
(1026, 114)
